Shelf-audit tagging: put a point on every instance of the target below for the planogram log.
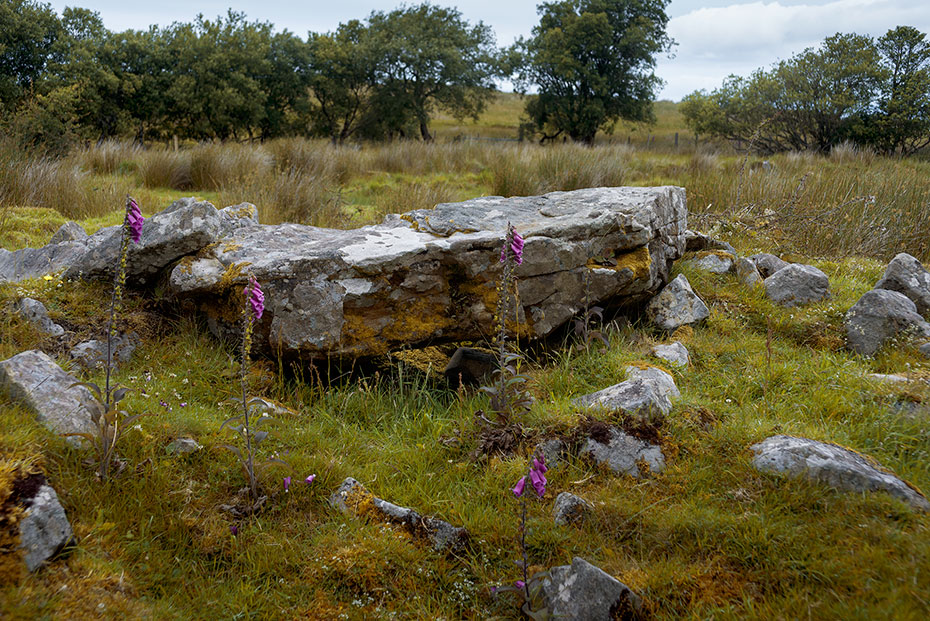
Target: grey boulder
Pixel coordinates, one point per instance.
(665, 383)
(569, 509)
(643, 399)
(879, 316)
(768, 264)
(833, 465)
(92, 354)
(36, 313)
(35, 381)
(584, 592)
(183, 228)
(44, 528)
(673, 353)
(69, 231)
(905, 274)
(796, 285)
(624, 454)
(676, 305)
(714, 262)
(36, 262)
(353, 498)
(747, 272)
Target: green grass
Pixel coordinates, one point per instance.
(708, 538)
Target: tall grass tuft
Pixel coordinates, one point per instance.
(109, 157)
(28, 181)
(214, 166)
(289, 196)
(166, 169)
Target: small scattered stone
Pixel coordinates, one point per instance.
(664, 382)
(831, 464)
(37, 314)
(91, 355)
(714, 262)
(879, 316)
(569, 509)
(676, 305)
(883, 378)
(352, 497)
(797, 284)
(69, 231)
(35, 381)
(768, 264)
(640, 398)
(624, 454)
(183, 446)
(697, 242)
(584, 592)
(44, 529)
(925, 350)
(905, 274)
(747, 272)
(674, 353)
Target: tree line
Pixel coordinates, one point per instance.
(67, 78)
(852, 88)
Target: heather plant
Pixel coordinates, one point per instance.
(529, 587)
(110, 421)
(247, 425)
(508, 394)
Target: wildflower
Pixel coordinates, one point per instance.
(518, 488)
(519, 584)
(183, 404)
(287, 483)
(134, 219)
(256, 298)
(234, 530)
(516, 245)
(537, 476)
(309, 479)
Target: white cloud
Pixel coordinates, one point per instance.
(736, 39)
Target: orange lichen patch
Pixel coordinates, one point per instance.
(233, 276)
(429, 360)
(185, 265)
(413, 223)
(417, 321)
(637, 261)
(11, 561)
(481, 290)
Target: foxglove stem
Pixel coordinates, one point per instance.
(526, 587)
(247, 318)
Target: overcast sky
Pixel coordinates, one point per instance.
(715, 37)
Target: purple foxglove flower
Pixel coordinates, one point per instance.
(256, 298)
(538, 479)
(287, 483)
(518, 488)
(135, 220)
(516, 245)
(519, 584)
(309, 479)
(540, 464)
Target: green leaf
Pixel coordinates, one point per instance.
(119, 394)
(230, 419)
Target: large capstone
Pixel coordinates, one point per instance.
(432, 275)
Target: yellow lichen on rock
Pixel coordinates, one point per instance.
(429, 360)
(638, 261)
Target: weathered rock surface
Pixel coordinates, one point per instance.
(584, 592)
(698, 242)
(644, 399)
(905, 274)
(831, 464)
(44, 529)
(352, 497)
(676, 305)
(879, 316)
(183, 228)
(768, 264)
(797, 284)
(92, 354)
(552, 451)
(747, 272)
(569, 509)
(470, 366)
(715, 262)
(36, 262)
(35, 381)
(432, 275)
(674, 353)
(69, 231)
(925, 350)
(624, 454)
(37, 314)
(665, 383)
